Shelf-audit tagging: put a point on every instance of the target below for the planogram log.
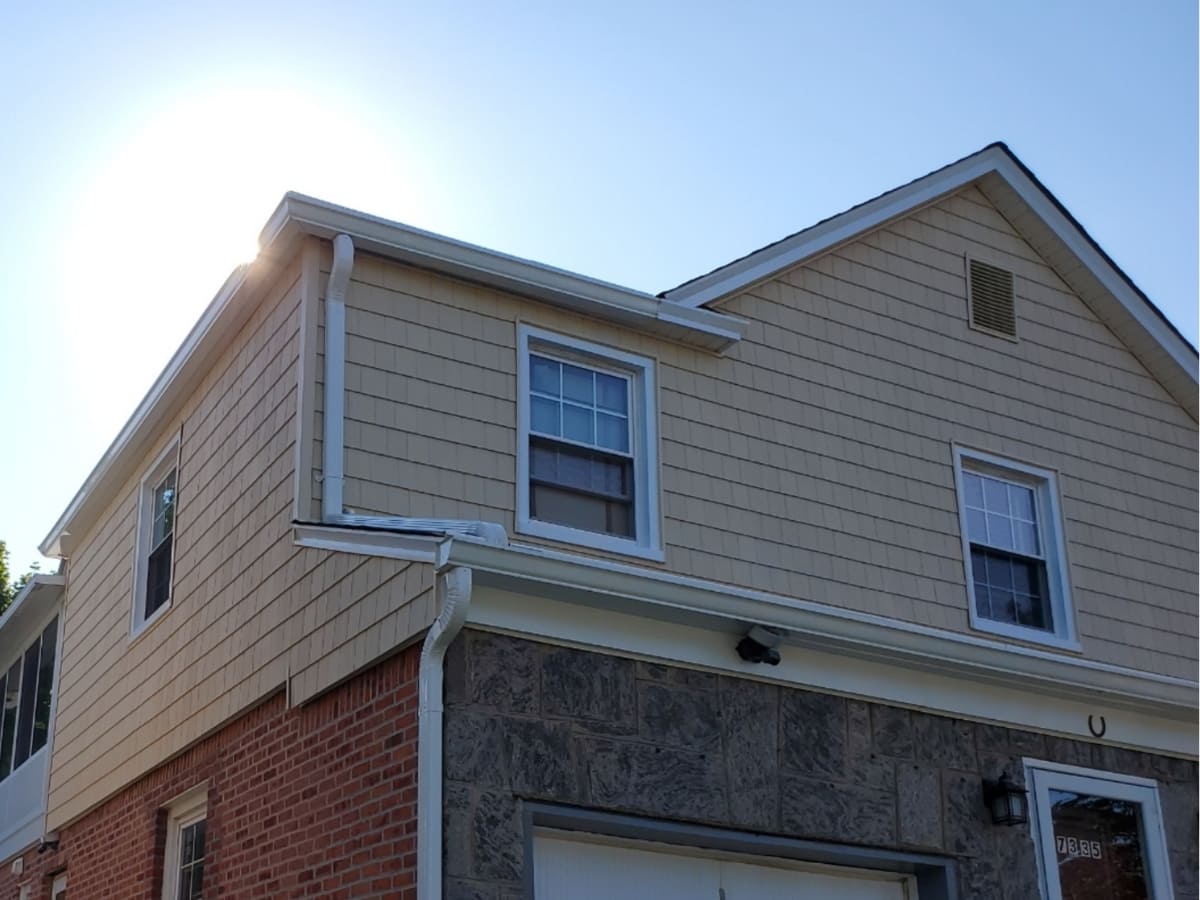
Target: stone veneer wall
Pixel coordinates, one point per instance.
(531, 721)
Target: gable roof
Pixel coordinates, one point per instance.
(1035, 213)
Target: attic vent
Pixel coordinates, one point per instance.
(991, 299)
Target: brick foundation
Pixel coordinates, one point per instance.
(317, 801)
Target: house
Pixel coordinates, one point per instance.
(863, 566)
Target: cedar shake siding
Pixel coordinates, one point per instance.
(248, 606)
(815, 458)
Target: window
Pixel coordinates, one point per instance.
(58, 888)
(587, 464)
(1098, 835)
(28, 689)
(1013, 549)
(183, 860)
(156, 532)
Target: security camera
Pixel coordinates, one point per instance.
(758, 646)
(48, 842)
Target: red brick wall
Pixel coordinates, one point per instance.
(313, 802)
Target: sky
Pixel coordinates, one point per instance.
(146, 144)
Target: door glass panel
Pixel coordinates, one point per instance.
(1098, 844)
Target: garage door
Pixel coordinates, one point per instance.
(567, 868)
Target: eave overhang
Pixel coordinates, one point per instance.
(678, 598)
(527, 570)
(299, 215)
(27, 612)
(1034, 212)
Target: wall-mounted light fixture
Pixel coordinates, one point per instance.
(1007, 802)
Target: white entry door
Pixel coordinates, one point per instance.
(567, 868)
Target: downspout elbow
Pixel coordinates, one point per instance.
(333, 440)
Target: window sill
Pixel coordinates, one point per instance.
(1025, 635)
(139, 628)
(592, 540)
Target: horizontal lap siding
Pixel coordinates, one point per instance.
(249, 608)
(814, 459)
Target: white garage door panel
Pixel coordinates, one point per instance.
(747, 882)
(570, 869)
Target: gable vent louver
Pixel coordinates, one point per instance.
(991, 299)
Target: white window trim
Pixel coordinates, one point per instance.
(167, 460)
(643, 425)
(1041, 777)
(1050, 523)
(58, 888)
(186, 809)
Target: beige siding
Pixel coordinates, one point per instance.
(248, 607)
(814, 460)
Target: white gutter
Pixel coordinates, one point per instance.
(455, 589)
(333, 465)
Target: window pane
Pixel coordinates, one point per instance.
(1021, 501)
(577, 384)
(612, 393)
(543, 375)
(995, 496)
(999, 530)
(578, 424)
(543, 416)
(973, 485)
(583, 511)
(1029, 610)
(158, 578)
(8, 730)
(1026, 538)
(612, 432)
(29, 669)
(45, 686)
(164, 510)
(999, 570)
(1010, 589)
(976, 525)
(1098, 843)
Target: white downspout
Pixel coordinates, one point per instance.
(455, 589)
(333, 464)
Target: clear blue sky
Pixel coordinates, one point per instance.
(644, 143)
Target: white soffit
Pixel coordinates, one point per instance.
(1040, 218)
(27, 612)
(681, 599)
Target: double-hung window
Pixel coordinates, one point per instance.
(587, 469)
(28, 691)
(156, 540)
(183, 861)
(1098, 834)
(1013, 548)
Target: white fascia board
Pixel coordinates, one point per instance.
(832, 629)
(1007, 702)
(427, 548)
(765, 263)
(1117, 284)
(172, 383)
(299, 215)
(834, 231)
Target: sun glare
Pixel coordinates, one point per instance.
(180, 205)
